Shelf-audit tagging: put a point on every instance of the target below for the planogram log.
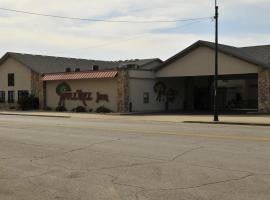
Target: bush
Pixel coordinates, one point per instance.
(90, 110)
(79, 109)
(12, 108)
(60, 109)
(103, 109)
(47, 108)
(29, 103)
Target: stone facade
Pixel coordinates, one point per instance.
(123, 91)
(264, 90)
(37, 88)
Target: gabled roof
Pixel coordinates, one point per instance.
(259, 55)
(51, 64)
(260, 52)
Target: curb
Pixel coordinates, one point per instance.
(33, 115)
(228, 123)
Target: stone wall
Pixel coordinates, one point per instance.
(123, 91)
(264, 90)
(37, 88)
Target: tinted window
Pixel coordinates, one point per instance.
(146, 98)
(95, 67)
(68, 69)
(22, 93)
(2, 97)
(11, 79)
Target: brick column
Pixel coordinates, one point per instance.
(264, 90)
(122, 91)
(37, 88)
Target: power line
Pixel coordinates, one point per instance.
(101, 20)
(125, 39)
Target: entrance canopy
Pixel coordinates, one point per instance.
(79, 75)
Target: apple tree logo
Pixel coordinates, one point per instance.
(62, 88)
(160, 89)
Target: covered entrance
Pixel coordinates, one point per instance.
(238, 79)
(235, 93)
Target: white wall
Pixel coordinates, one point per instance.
(200, 62)
(144, 81)
(136, 89)
(141, 74)
(22, 77)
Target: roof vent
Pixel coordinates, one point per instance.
(68, 69)
(95, 68)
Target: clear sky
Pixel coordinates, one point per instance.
(242, 23)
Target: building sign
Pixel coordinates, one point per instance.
(65, 93)
(102, 97)
(163, 93)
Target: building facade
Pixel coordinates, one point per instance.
(183, 82)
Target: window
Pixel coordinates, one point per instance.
(2, 97)
(11, 79)
(10, 96)
(22, 93)
(146, 98)
(77, 69)
(95, 67)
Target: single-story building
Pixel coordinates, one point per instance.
(91, 83)
(183, 82)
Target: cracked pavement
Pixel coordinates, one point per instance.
(82, 159)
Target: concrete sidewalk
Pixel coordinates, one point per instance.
(263, 120)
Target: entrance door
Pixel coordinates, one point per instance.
(202, 100)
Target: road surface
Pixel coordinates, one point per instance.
(80, 159)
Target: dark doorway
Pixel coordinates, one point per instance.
(202, 98)
(235, 93)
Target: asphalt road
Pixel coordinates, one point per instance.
(79, 159)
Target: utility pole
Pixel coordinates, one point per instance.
(216, 66)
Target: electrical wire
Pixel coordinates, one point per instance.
(124, 40)
(102, 20)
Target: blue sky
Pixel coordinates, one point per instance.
(242, 23)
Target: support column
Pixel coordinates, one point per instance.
(37, 88)
(123, 91)
(44, 106)
(264, 90)
(189, 93)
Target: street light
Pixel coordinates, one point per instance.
(216, 66)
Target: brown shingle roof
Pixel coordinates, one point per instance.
(51, 64)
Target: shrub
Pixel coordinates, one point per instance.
(103, 109)
(12, 108)
(79, 109)
(60, 109)
(28, 103)
(47, 108)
